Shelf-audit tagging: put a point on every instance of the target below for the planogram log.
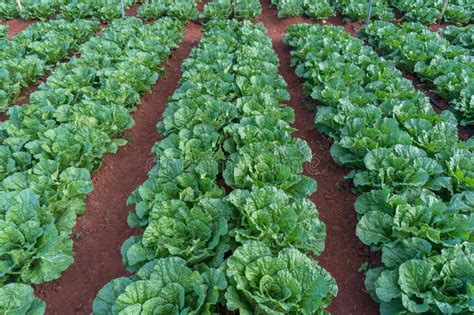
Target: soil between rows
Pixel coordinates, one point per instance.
(100, 233)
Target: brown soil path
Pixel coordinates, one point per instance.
(15, 26)
(102, 230)
(344, 253)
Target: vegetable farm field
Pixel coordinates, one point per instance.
(236, 157)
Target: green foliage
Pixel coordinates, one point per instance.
(106, 10)
(417, 205)
(180, 9)
(399, 167)
(3, 34)
(227, 106)
(33, 52)
(355, 10)
(271, 216)
(50, 146)
(415, 48)
(30, 9)
(18, 299)
(440, 284)
(317, 9)
(244, 9)
(32, 247)
(426, 12)
(197, 235)
(461, 36)
(164, 286)
(411, 224)
(276, 164)
(287, 282)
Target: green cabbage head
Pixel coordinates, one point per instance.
(285, 283)
(162, 287)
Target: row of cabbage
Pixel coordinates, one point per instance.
(316, 9)
(415, 176)
(51, 145)
(429, 11)
(186, 9)
(180, 9)
(238, 9)
(203, 245)
(424, 11)
(34, 51)
(67, 9)
(448, 68)
(460, 35)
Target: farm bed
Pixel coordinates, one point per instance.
(99, 234)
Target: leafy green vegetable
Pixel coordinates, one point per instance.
(400, 167)
(457, 35)
(32, 53)
(106, 10)
(29, 9)
(32, 250)
(417, 205)
(410, 225)
(318, 9)
(414, 47)
(228, 105)
(357, 10)
(458, 11)
(18, 299)
(197, 235)
(244, 9)
(271, 163)
(50, 147)
(284, 283)
(271, 216)
(164, 286)
(441, 284)
(3, 33)
(181, 9)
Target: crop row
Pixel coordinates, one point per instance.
(30, 9)
(185, 9)
(416, 178)
(110, 9)
(240, 9)
(415, 48)
(317, 9)
(424, 11)
(199, 244)
(180, 9)
(429, 11)
(50, 146)
(67, 9)
(33, 52)
(105, 10)
(460, 35)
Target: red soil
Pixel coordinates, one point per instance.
(15, 26)
(438, 26)
(102, 230)
(344, 253)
